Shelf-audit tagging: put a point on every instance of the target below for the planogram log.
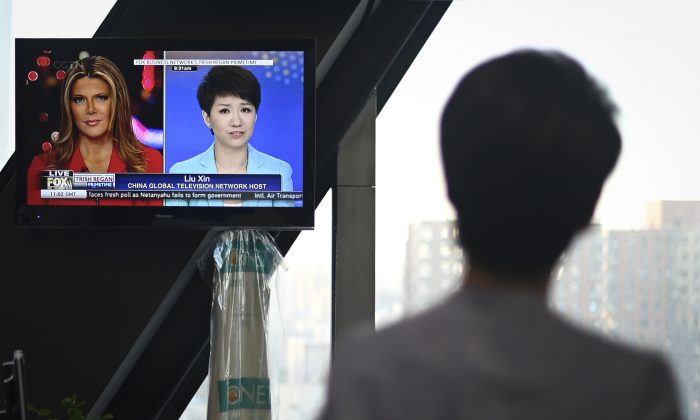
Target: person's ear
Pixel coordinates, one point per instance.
(205, 116)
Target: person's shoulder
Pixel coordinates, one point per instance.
(624, 361)
(188, 165)
(658, 389)
(154, 158)
(270, 162)
(594, 345)
(640, 379)
(405, 341)
(370, 369)
(150, 152)
(39, 162)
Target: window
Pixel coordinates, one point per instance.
(627, 261)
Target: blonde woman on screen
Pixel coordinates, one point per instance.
(96, 133)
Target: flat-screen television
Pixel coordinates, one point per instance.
(165, 132)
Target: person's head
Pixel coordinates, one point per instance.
(96, 76)
(95, 103)
(528, 140)
(229, 97)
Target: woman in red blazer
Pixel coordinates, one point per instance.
(96, 134)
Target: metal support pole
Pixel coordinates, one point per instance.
(354, 225)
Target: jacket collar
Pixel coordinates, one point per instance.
(116, 164)
(255, 159)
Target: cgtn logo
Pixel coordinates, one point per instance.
(57, 179)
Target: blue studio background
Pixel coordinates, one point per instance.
(279, 128)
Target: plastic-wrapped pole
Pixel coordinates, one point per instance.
(239, 381)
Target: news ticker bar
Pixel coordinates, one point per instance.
(202, 62)
(58, 179)
(164, 195)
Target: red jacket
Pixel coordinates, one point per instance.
(154, 164)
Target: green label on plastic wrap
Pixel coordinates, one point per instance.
(245, 261)
(244, 393)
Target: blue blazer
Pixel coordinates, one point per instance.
(258, 163)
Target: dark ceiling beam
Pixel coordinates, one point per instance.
(377, 57)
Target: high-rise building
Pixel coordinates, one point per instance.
(670, 214)
(638, 285)
(434, 264)
(578, 289)
(642, 286)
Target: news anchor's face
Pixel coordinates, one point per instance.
(233, 120)
(91, 106)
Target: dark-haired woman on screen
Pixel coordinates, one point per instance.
(229, 97)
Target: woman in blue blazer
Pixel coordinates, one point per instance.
(229, 97)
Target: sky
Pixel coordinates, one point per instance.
(644, 52)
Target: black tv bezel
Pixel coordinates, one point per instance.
(269, 218)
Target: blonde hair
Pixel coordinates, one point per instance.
(128, 146)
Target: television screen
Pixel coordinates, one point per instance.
(154, 132)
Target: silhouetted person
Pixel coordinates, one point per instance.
(528, 140)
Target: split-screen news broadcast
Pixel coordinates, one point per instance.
(117, 123)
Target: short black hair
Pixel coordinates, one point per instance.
(228, 80)
(528, 140)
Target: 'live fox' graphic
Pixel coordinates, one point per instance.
(57, 179)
